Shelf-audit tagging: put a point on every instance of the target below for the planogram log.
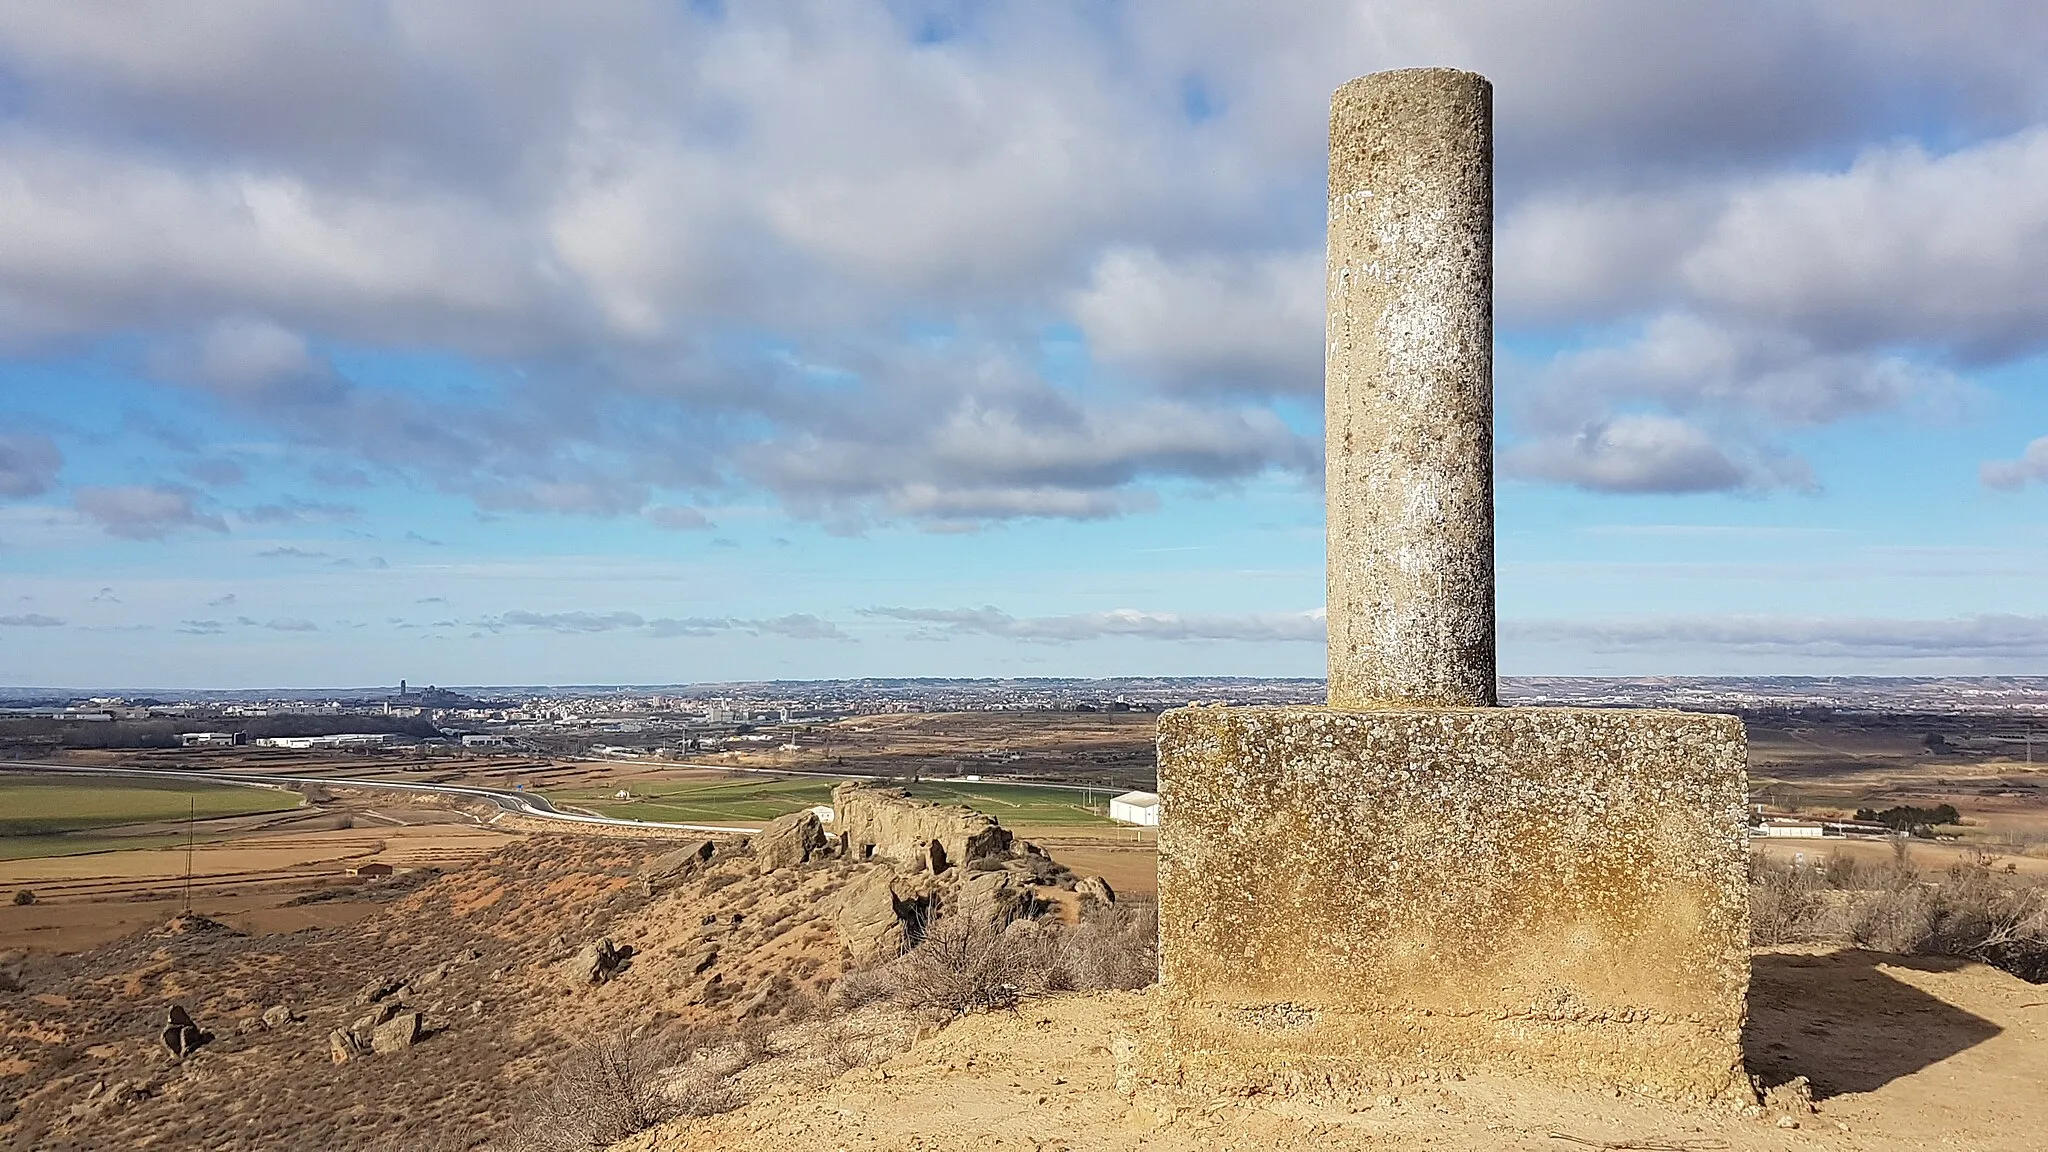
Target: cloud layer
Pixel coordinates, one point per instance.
(823, 249)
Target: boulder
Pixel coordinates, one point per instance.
(432, 976)
(670, 869)
(1095, 888)
(399, 1032)
(598, 962)
(790, 840)
(180, 1036)
(342, 1046)
(365, 1026)
(994, 898)
(872, 920)
(277, 1016)
(377, 989)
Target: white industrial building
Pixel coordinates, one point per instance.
(211, 739)
(1140, 808)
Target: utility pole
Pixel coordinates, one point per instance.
(191, 815)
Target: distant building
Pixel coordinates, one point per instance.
(483, 741)
(1791, 829)
(371, 869)
(211, 739)
(339, 740)
(1139, 808)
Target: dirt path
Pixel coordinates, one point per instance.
(1906, 1054)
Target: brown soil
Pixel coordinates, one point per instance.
(1905, 1054)
(85, 901)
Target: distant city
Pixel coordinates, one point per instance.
(631, 708)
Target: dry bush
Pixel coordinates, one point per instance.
(602, 1093)
(959, 966)
(962, 965)
(1973, 909)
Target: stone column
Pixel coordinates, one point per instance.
(1408, 390)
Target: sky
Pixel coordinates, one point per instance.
(609, 341)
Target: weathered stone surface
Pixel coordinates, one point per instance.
(993, 898)
(1408, 390)
(599, 961)
(277, 1016)
(180, 1035)
(1095, 888)
(789, 840)
(872, 921)
(1353, 893)
(342, 1046)
(886, 824)
(400, 1032)
(377, 989)
(670, 869)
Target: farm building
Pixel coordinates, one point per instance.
(211, 739)
(1140, 808)
(373, 868)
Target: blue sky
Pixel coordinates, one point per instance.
(647, 342)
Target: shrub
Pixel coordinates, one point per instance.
(24, 897)
(1972, 909)
(602, 1093)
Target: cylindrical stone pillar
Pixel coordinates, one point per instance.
(1408, 390)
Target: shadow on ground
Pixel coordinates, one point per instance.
(1846, 1025)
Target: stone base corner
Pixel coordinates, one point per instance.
(1346, 896)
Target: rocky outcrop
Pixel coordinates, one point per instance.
(180, 1036)
(278, 1015)
(670, 869)
(599, 962)
(789, 841)
(1095, 889)
(400, 1032)
(887, 824)
(878, 915)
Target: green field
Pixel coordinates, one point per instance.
(40, 806)
(758, 798)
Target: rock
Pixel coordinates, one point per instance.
(994, 898)
(429, 978)
(401, 1031)
(377, 989)
(342, 1046)
(365, 1026)
(1095, 888)
(8, 1112)
(887, 824)
(670, 869)
(598, 962)
(790, 840)
(702, 961)
(1794, 1097)
(247, 1024)
(871, 919)
(277, 1016)
(1787, 1122)
(180, 1036)
(755, 1003)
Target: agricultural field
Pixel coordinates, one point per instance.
(721, 798)
(40, 816)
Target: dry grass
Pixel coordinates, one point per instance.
(1972, 909)
(961, 966)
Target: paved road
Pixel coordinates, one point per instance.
(518, 803)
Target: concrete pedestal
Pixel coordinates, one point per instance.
(1346, 896)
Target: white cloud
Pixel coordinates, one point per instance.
(2011, 475)
(135, 512)
(1120, 622)
(1986, 635)
(29, 464)
(1250, 322)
